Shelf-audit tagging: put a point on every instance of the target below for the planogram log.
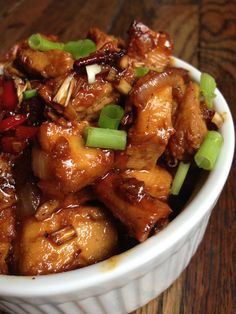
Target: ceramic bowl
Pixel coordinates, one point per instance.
(126, 282)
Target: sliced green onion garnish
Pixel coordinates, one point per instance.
(92, 70)
(38, 42)
(141, 71)
(209, 150)
(105, 138)
(80, 48)
(179, 177)
(110, 116)
(207, 88)
(29, 93)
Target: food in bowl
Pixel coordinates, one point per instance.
(97, 137)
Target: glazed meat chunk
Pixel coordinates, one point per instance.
(152, 100)
(70, 238)
(69, 165)
(103, 40)
(7, 182)
(190, 125)
(47, 64)
(157, 180)
(148, 48)
(131, 204)
(7, 234)
(150, 134)
(7, 211)
(75, 98)
(88, 99)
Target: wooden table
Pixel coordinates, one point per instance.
(204, 33)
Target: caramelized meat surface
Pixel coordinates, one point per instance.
(152, 99)
(70, 164)
(148, 48)
(190, 126)
(63, 204)
(76, 98)
(68, 239)
(7, 182)
(7, 211)
(7, 235)
(103, 40)
(128, 201)
(157, 181)
(48, 64)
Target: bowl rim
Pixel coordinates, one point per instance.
(129, 261)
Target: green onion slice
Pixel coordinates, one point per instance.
(92, 70)
(80, 48)
(209, 150)
(38, 42)
(179, 177)
(105, 138)
(207, 88)
(110, 116)
(141, 71)
(29, 93)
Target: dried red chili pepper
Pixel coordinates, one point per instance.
(106, 56)
(1, 89)
(9, 95)
(26, 132)
(11, 144)
(12, 122)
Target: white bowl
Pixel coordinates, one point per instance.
(125, 282)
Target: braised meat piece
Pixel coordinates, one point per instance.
(103, 40)
(7, 235)
(157, 181)
(152, 99)
(47, 64)
(7, 182)
(190, 125)
(128, 201)
(70, 164)
(7, 211)
(148, 48)
(75, 98)
(70, 238)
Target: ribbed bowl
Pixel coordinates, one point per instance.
(126, 282)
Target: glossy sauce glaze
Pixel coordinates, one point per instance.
(64, 205)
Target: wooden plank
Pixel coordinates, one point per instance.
(15, 24)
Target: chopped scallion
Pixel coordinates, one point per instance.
(105, 138)
(179, 177)
(29, 93)
(209, 150)
(207, 88)
(38, 42)
(80, 48)
(141, 71)
(110, 116)
(92, 70)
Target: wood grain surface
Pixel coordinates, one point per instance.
(204, 33)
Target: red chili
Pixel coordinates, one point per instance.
(26, 132)
(9, 95)
(1, 89)
(12, 145)
(12, 122)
